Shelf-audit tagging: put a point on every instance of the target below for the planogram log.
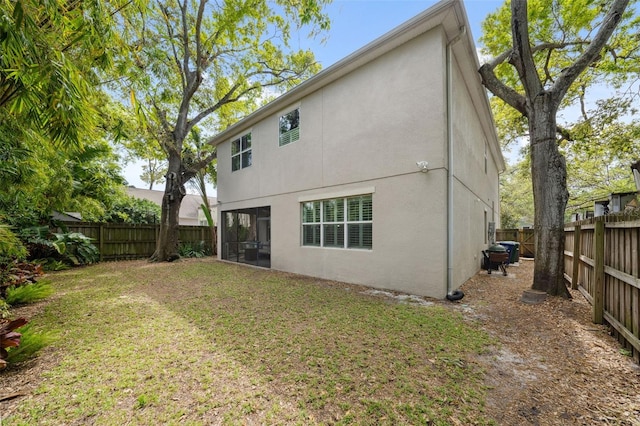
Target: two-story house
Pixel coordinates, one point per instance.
(380, 170)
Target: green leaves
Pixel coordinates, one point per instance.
(223, 56)
(51, 52)
(9, 338)
(10, 245)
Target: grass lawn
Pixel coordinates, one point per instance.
(204, 342)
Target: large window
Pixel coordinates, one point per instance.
(290, 127)
(338, 222)
(241, 152)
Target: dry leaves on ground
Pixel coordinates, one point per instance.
(553, 366)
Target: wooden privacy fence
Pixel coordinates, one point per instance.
(121, 241)
(601, 259)
(525, 237)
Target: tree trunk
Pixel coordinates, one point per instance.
(168, 238)
(550, 195)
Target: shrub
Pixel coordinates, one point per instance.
(11, 248)
(30, 343)
(78, 248)
(28, 293)
(40, 243)
(18, 273)
(4, 309)
(129, 209)
(50, 264)
(12, 251)
(73, 248)
(194, 250)
(9, 338)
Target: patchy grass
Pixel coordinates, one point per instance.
(204, 342)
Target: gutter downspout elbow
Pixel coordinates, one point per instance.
(451, 295)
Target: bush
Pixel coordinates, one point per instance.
(18, 273)
(129, 209)
(4, 309)
(72, 248)
(28, 293)
(50, 264)
(13, 269)
(194, 250)
(40, 243)
(9, 338)
(11, 248)
(30, 343)
(78, 248)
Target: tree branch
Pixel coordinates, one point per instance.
(176, 58)
(592, 52)
(281, 76)
(199, 56)
(564, 133)
(227, 98)
(198, 165)
(501, 90)
(522, 57)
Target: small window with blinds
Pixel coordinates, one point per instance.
(241, 152)
(290, 127)
(338, 223)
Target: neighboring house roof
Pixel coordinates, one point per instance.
(449, 14)
(188, 208)
(66, 216)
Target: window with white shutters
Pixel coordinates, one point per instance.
(338, 223)
(290, 127)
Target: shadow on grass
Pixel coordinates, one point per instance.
(205, 342)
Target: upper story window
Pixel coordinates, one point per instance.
(241, 152)
(290, 127)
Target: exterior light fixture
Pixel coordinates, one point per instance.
(423, 166)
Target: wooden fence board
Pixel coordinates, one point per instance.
(608, 273)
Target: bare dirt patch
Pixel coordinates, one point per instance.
(554, 366)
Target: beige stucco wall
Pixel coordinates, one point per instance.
(362, 134)
(476, 188)
(375, 122)
(408, 230)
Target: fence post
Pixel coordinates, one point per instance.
(576, 257)
(598, 271)
(101, 243)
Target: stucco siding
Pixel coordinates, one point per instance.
(409, 230)
(476, 189)
(390, 109)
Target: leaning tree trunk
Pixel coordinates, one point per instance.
(168, 237)
(550, 195)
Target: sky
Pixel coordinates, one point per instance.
(355, 23)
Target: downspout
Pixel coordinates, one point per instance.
(451, 295)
